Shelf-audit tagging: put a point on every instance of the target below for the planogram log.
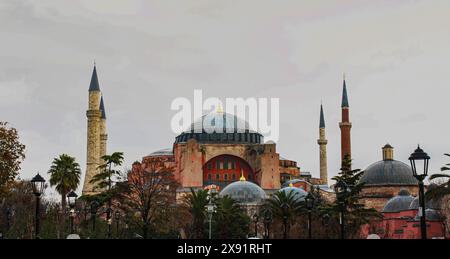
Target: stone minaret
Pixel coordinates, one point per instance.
(103, 134)
(345, 126)
(322, 141)
(94, 118)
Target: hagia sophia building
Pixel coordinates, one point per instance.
(242, 165)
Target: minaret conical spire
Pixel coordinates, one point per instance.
(94, 85)
(344, 96)
(322, 118)
(102, 108)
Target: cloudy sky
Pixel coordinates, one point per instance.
(395, 54)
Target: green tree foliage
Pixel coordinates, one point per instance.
(356, 212)
(230, 220)
(64, 175)
(196, 203)
(12, 153)
(443, 185)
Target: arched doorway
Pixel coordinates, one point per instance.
(225, 169)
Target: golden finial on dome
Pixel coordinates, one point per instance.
(242, 176)
(290, 182)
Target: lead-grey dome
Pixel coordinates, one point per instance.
(162, 152)
(220, 127)
(399, 203)
(430, 214)
(244, 192)
(299, 193)
(429, 204)
(388, 172)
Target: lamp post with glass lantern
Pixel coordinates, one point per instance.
(419, 160)
(210, 208)
(285, 210)
(255, 220)
(38, 184)
(309, 206)
(268, 217)
(71, 200)
(117, 219)
(341, 189)
(94, 209)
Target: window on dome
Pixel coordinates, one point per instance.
(233, 165)
(217, 164)
(221, 164)
(233, 177)
(225, 177)
(209, 177)
(217, 176)
(209, 166)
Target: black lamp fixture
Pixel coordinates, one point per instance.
(419, 160)
(342, 189)
(309, 199)
(72, 199)
(38, 184)
(268, 217)
(285, 210)
(255, 220)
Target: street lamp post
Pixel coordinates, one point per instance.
(94, 209)
(285, 209)
(109, 220)
(255, 220)
(210, 208)
(38, 184)
(71, 200)
(117, 219)
(341, 189)
(419, 159)
(309, 206)
(267, 221)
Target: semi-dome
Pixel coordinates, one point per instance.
(399, 203)
(429, 204)
(220, 127)
(430, 215)
(388, 172)
(162, 152)
(244, 192)
(299, 193)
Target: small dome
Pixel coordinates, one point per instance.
(162, 152)
(299, 193)
(244, 192)
(388, 173)
(430, 214)
(430, 204)
(398, 203)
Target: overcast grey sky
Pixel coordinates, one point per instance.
(395, 54)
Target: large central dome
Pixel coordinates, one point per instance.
(220, 127)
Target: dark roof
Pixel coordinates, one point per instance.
(94, 86)
(322, 118)
(220, 127)
(344, 96)
(244, 192)
(388, 146)
(102, 108)
(398, 203)
(388, 172)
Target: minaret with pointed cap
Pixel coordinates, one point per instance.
(345, 125)
(95, 127)
(103, 134)
(322, 141)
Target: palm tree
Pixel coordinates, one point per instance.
(196, 202)
(286, 207)
(442, 189)
(65, 175)
(231, 221)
